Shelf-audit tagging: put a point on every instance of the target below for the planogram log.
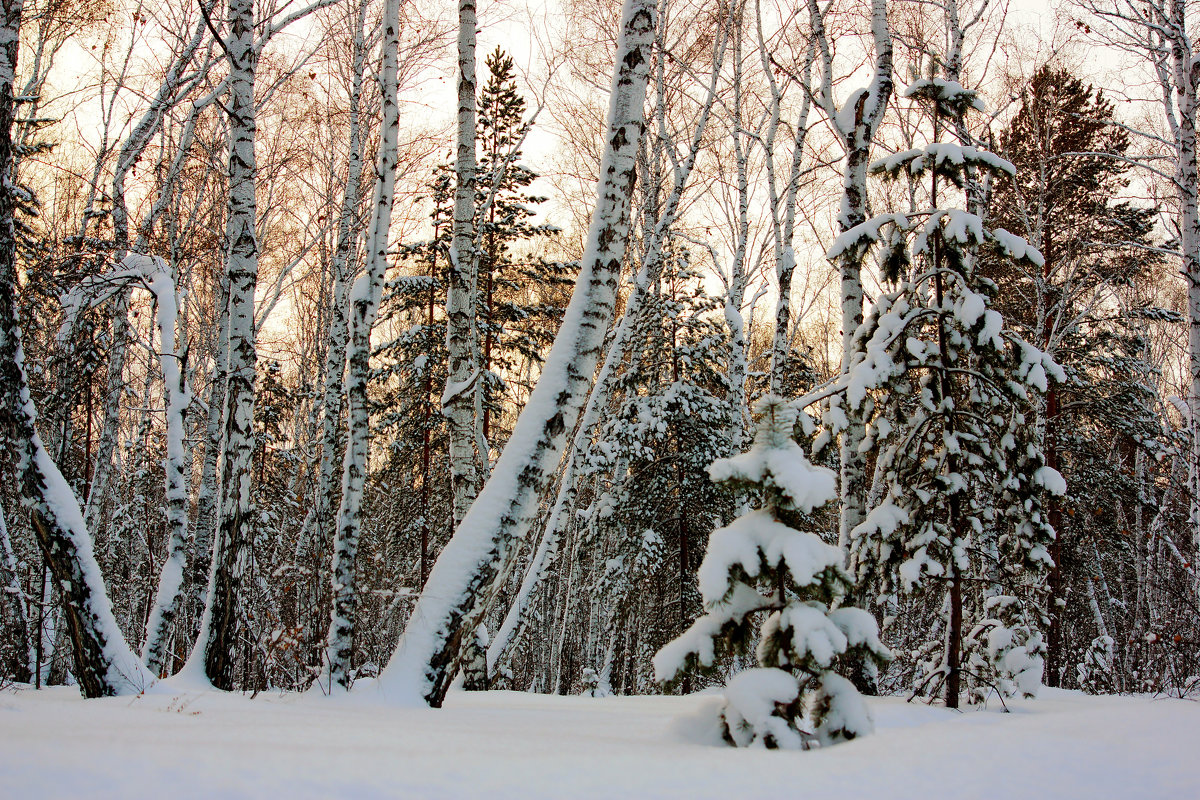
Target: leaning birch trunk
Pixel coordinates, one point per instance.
(857, 132)
(131, 152)
(235, 517)
(458, 401)
(175, 463)
(104, 664)
(364, 301)
(317, 518)
(422, 666)
(548, 543)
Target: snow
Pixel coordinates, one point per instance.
(846, 715)
(813, 634)
(742, 541)
(868, 231)
(941, 156)
(1051, 480)
(946, 90)
(508, 745)
(750, 700)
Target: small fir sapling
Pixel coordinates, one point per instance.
(764, 562)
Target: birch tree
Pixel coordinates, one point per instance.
(364, 298)
(549, 542)
(422, 666)
(462, 335)
(104, 664)
(236, 510)
(1161, 32)
(855, 124)
(318, 515)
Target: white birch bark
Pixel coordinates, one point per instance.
(104, 664)
(422, 666)
(549, 541)
(856, 125)
(235, 517)
(364, 307)
(177, 466)
(324, 492)
(10, 586)
(735, 282)
(458, 400)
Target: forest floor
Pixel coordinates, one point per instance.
(184, 744)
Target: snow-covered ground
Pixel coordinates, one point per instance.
(503, 744)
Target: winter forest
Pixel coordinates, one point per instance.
(801, 368)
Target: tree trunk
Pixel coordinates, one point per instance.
(234, 529)
(458, 402)
(365, 300)
(176, 466)
(317, 521)
(504, 511)
(10, 586)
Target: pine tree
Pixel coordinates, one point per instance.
(949, 396)
(764, 561)
(520, 296)
(1072, 163)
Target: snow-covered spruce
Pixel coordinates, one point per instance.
(654, 505)
(763, 562)
(948, 394)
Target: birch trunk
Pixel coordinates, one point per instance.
(235, 518)
(364, 303)
(318, 517)
(104, 664)
(10, 586)
(458, 401)
(1186, 79)
(548, 543)
(422, 665)
(856, 126)
(176, 465)
(735, 288)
